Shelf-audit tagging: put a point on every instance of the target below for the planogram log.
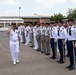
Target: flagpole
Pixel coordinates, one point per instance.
(19, 14)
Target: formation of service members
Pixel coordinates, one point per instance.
(54, 36)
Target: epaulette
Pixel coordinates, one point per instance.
(63, 28)
(74, 27)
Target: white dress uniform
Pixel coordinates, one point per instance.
(14, 45)
(66, 45)
(73, 33)
(23, 34)
(38, 38)
(53, 41)
(57, 41)
(35, 39)
(62, 37)
(53, 33)
(71, 42)
(31, 36)
(62, 34)
(20, 31)
(26, 36)
(29, 30)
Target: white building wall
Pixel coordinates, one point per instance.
(4, 22)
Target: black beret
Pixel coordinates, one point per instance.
(52, 22)
(46, 23)
(27, 24)
(71, 20)
(67, 20)
(60, 21)
(13, 24)
(56, 21)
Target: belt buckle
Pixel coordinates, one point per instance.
(14, 41)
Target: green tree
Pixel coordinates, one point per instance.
(71, 13)
(56, 17)
(52, 18)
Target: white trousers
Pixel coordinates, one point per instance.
(35, 41)
(29, 37)
(27, 40)
(21, 39)
(14, 48)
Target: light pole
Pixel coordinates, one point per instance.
(39, 17)
(19, 13)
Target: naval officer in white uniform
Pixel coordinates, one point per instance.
(14, 43)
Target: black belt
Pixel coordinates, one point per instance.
(52, 38)
(71, 40)
(42, 35)
(61, 39)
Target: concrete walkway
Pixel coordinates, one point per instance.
(31, 61)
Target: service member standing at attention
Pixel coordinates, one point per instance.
(20, 31)
(38, 37)
(62, 38)
(14, 43)
(71, 42)
(56, 25)
(35, 38)
(47, 39)
(67, 29)
(26, 34)
(31, 35)
(53, 39)
(29, 30)
(42, 33)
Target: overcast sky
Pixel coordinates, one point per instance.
(29, 7)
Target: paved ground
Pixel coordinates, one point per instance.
(31, 61)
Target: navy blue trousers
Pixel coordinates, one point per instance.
(71, 53)
(67, 47)
(53, 46)
(61, 49)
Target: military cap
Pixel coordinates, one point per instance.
(56, 21)
(13, 24)
(52, 22)
(71, 20)
(46, 23)
(60, 21)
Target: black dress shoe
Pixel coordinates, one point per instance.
(47, 54)
(53, 57)
(68, 67)
(37, 50)
(71, 68)
(58, 61)
(61, 62)
(31, 46)
(42, 52)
